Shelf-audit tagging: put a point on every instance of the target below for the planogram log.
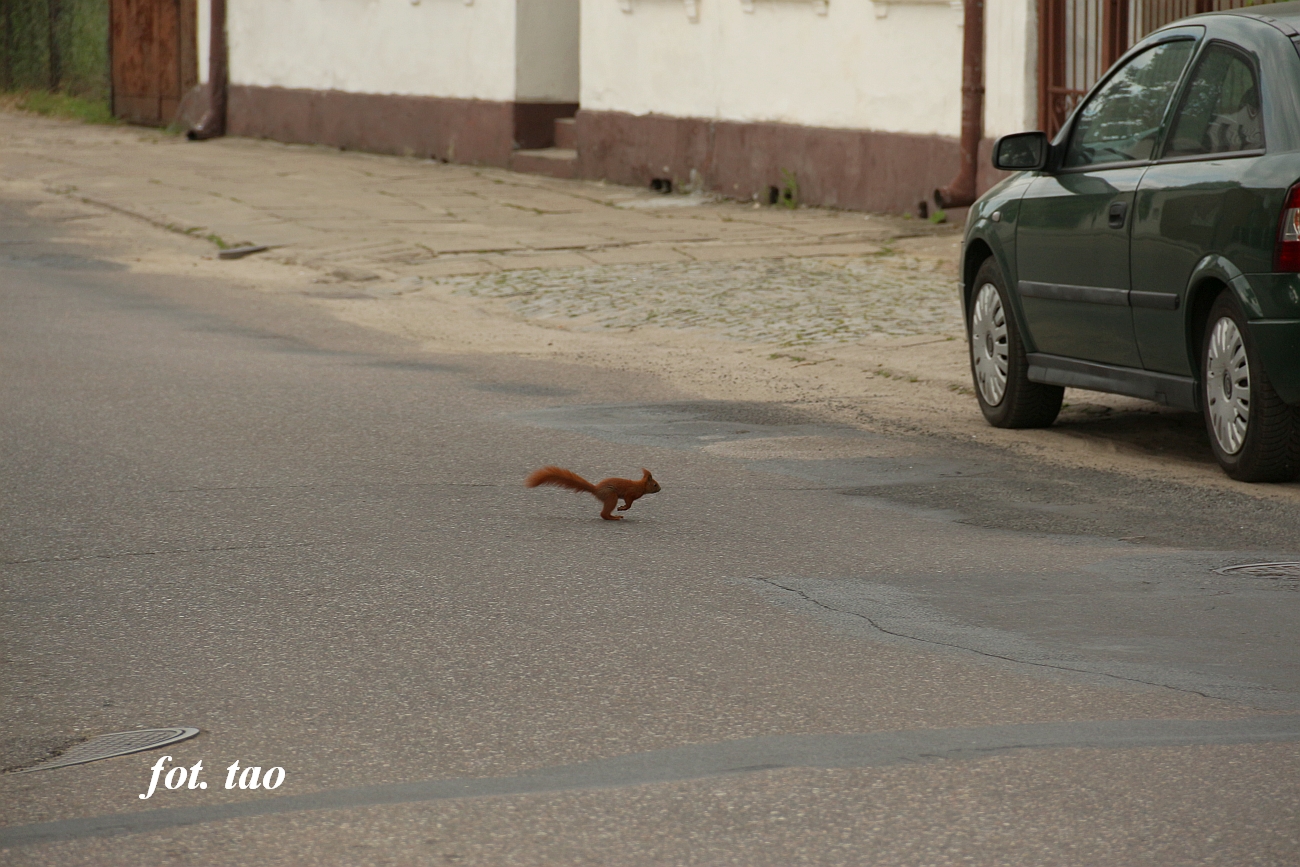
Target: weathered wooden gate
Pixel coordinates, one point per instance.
(1079, 39)
(154, 57)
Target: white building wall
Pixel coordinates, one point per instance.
(862, 65)
(441, 48)
(546, 39)
(1010, 66)
(892, 67)
(203, 33)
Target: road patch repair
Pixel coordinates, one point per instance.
(696, 761)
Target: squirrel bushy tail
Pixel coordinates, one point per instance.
(561, 478)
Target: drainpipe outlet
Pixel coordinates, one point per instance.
(961, 192)
(213, 123)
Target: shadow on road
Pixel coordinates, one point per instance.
(1150, 430)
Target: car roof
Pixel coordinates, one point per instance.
(1284, 12)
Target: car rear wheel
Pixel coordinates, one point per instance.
(998, 363)
(1254, 434)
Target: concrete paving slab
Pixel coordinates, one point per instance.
(856, 248)
(556, 260)
(635, 255)
(727, 252)
(449, 267)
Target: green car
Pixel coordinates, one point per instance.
(1153, 248)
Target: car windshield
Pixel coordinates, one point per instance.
(1121, 122)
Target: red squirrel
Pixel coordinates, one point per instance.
(608, 491)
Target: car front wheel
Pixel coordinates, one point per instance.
(1254, 434)
(998, 362)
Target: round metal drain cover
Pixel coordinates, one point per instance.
(115, 744)
(1264, 570)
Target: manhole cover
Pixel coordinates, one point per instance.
(1264, 570)
(115, 744)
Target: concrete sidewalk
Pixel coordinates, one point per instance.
(361, 217)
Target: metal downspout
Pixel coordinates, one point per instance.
(213, 123)
(961, 192)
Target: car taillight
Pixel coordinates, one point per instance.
(1286, 255)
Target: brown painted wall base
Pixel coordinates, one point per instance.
(843, 168)
(856, 169)
(535, 122)
(456, 130)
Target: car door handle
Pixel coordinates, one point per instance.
(1118, 211)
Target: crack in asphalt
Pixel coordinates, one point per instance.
(689, 762)
(874, 625)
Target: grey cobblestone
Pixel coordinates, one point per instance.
(792, 302)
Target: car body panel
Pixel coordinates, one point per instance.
(1274, 296)
(1278, 344)
(1183, 210)
(1074, 266)
(991, 225)
(1176, 391)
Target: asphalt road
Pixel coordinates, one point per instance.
(226, 510)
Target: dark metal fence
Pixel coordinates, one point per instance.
(55, 45)
(1080, 39)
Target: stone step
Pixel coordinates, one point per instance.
(566, 133)
(552, 162)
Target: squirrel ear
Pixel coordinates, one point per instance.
(645, 472)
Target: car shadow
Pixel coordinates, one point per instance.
(1141, 427)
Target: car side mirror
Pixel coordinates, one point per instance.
(1022, 152)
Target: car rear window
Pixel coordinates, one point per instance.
(1220, 111)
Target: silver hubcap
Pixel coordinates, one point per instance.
(988, 344)
(1227, 385)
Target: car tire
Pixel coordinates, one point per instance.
(999, 366)
(1255, 435)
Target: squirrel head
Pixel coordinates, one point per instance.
(651, 486)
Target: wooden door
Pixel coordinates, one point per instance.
(154, 58)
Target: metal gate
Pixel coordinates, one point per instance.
(1078, 41)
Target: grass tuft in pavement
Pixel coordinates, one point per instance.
(60, 105)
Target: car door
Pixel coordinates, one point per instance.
(1072, 241)
(1198, 200)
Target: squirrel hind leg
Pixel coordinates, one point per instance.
(608, 512)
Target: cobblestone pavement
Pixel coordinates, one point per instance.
(791, 302)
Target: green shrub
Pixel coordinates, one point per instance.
(59, 46)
